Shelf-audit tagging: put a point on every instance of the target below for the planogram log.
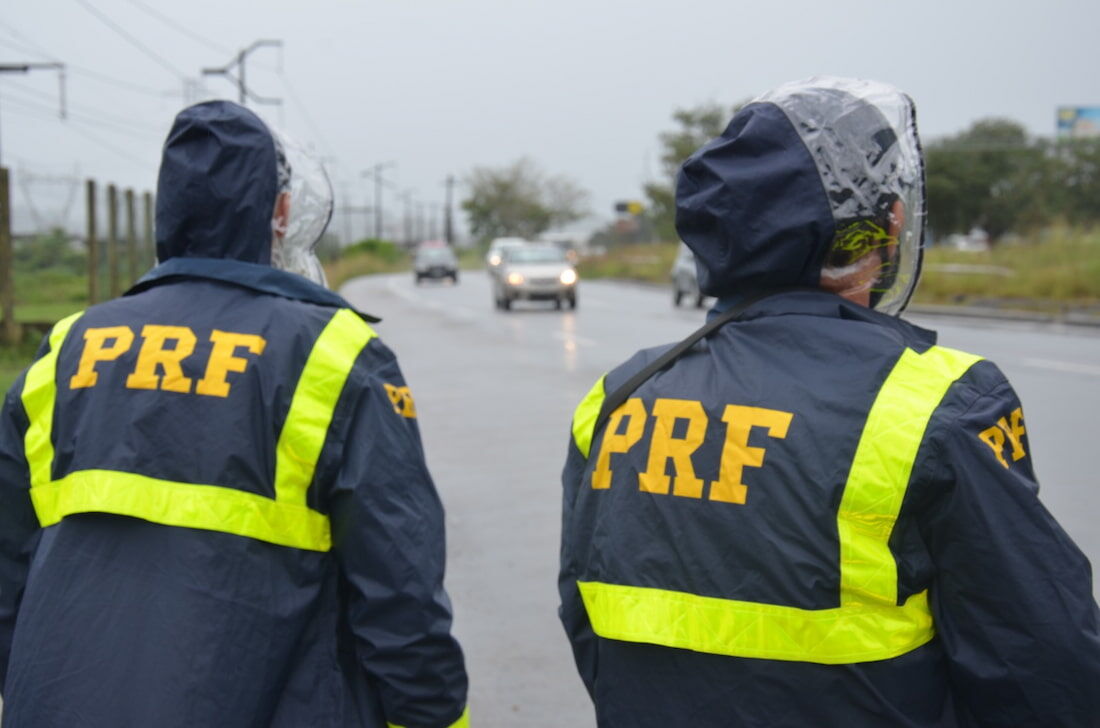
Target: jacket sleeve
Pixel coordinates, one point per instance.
(1012, 594)
(573, 615)
(18, 523)
(388, 534)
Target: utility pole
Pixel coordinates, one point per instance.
(406, 220)
(376, 173)
(448, 223)
(433, 220)
(243, 91)
(347, 211)
(421, 227)
(27, 67)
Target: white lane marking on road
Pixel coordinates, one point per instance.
(1063, 366)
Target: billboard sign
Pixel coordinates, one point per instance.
(1078, 122)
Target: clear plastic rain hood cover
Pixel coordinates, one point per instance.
(303, 178)
(875, 191)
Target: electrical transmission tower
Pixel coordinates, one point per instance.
(244, 93)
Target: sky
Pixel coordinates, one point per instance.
(433, 88)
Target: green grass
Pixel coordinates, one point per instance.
(1050, 272)
(1059, 269)
(14, 359)
(642, 262)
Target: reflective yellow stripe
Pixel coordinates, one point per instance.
(209, 507)
(584, 418)
(462, 722)
(284, 520)
(751, 629)
(868, 625)
(880, 470)
(313, 404)
(39, 395)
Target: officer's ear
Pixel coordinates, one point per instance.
(280, 218)
(895, 220)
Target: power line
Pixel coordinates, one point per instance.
(138, 88)
(179, 27)
(21, 47)
(297, 101)
(83, 115)
(89, 114)
(41, 112)
(106, 20)
(37, 50)
(81, 71)
(32, 47)
(144, 163)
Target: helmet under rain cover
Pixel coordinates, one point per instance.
(862, 137)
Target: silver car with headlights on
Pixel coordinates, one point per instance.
(535, 273)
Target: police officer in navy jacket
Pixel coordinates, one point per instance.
(214, 504)
(817, 516)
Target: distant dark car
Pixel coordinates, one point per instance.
(685, 284)
(435, 262)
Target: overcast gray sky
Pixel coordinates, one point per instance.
(440, 86)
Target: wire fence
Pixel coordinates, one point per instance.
(54, 268)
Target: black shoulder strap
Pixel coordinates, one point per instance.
(614, 400)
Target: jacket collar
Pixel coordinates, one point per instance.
(262, 278)
(830, 305)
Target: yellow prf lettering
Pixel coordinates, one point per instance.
(223, 360)
(1015, 431)
(736, 452)
(96, 350)
(1008, 430)
(153, 355)
(634, 411)
(995, 438)
(665, 447)
(401, 399)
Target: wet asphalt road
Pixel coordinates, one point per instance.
(495, 393)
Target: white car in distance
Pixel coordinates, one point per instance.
(535, 272)
(496, 252)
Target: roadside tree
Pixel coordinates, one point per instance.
(520, 200)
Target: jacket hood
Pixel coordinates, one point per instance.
(805, 182)
(217, 185)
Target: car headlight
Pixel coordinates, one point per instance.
(515, 279)
(494, 259)
(568, 276)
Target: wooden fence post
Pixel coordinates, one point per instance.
(112, 239)
(131, 239)
(10, 328)
(93, 246)
(150, 247)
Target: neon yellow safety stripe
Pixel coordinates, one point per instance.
(462, 722)
(584, 419)
(314, 401)
(284, 520)
(868, 624)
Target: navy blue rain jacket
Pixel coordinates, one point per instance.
(107, 620)
(1017, 629)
